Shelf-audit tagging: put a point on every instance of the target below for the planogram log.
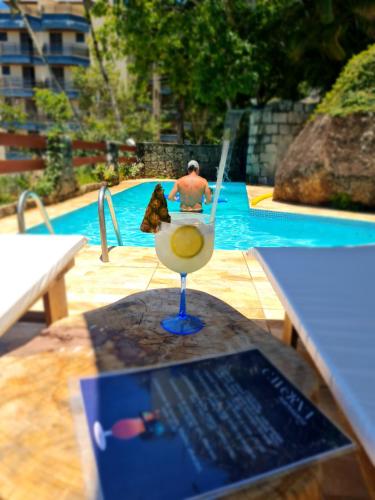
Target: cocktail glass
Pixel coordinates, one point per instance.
(184, 245)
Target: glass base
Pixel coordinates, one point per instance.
(182, 325)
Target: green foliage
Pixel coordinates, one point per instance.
(354, 90)
(130, 171)
(217, 53)
(58, 155)
(85, 175)
(325, 34)
(343, 201)
(54, 105)
(176, 40)
(212, 55)
(11, 186)
(105, 173)
(98, 120)
(11, 114)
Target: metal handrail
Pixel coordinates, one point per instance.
(104, 193)
(21, 211)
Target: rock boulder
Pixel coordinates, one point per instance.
(331, 156)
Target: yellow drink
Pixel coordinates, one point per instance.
(186, 243)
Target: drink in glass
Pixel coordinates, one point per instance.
(184, 245)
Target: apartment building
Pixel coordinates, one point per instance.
(61, 32)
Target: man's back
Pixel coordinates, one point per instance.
(191, 189)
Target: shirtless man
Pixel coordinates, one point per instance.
(191, 187)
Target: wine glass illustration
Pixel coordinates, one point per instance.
(185, 245)
(128, 428)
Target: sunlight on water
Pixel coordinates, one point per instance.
(237, 226)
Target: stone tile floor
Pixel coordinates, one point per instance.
(232, 276)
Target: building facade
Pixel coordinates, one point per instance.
(61, 31)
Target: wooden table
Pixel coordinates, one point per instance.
(33, 266)
(39, 451)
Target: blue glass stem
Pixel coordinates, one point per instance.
(182, 323)
(182, 312)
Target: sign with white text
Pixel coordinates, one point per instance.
(201, 428)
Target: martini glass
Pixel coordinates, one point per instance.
(184, 245)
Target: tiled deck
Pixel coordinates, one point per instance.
(232, 276)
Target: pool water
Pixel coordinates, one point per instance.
(237, 226)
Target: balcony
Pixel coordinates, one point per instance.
(18, 54)
(10, 21)
(70, 19)
(68, 22)
(22, 87)
(72, 54)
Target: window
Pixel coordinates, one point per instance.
(80, 38)
(26, 43)
(3, 36)
(30, 107)
(5, 70)
(56, 43)
(58, 73)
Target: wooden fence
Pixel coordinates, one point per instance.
(39, 143)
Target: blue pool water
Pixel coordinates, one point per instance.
(237, 226)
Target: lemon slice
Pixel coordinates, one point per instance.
(187, 242)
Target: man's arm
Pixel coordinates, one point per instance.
(173, 193)
(207, 194)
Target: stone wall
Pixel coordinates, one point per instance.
(271, 131)
(170, 160)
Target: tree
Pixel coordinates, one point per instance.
(11, 116)
(354, 90)
(100, 54)
(99, 121)
(218, 54)
(55, 106)
(306, 43)
(196, 47)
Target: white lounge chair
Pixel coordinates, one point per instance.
(328, 294)
(32, 266)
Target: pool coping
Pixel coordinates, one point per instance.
(295, 208)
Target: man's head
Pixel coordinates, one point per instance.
(193, 166)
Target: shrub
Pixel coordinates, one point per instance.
(11, 186)
(130, 171)
(85, 175)
(106, 173)
(343, 201)
(354, 90)
(57, 156)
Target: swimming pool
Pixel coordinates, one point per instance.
(238, 226)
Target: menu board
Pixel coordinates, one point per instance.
(201, 428)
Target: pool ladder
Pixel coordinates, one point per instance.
(21, 211)
(105, 194)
